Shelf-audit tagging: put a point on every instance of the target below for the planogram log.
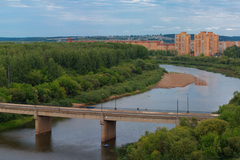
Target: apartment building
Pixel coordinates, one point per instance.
(224, 44)
(166, 47)
(206, 43)
(150, 45)
(182, 43)
(191, 46)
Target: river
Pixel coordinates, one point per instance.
(81, 138)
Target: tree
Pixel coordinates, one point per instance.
(71, 87)
(210, 125)
(3, 77)
(210, 145)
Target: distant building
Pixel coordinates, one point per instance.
(150, 45)
(182, 43)
(224, 44)
(166, 47)
(206, 43)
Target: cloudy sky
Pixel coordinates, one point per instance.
(45, 18)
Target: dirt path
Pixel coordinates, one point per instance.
(172, 80)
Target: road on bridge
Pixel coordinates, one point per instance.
(106, 111)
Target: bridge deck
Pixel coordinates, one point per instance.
(109, 115)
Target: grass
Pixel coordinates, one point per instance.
(15, 123)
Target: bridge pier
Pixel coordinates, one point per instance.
(43, 124)
(177, 121)
(108, 129)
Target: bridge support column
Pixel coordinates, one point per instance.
(177, 121)
(108, 129)
(43, 124)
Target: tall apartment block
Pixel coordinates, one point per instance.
(206, 43)
(182, 43)
(224, 44)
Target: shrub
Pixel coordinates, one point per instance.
(65, 103)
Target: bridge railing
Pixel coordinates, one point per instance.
(133, 109)
(155, 110)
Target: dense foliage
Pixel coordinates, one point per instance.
(72, 72)
(163, 53)
(233, 52)
(217, 138)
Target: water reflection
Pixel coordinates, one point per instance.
(200, 82)
(108, 152)
(43, 142)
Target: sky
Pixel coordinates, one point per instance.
(48, 18)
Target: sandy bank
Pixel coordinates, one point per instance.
(172, 80)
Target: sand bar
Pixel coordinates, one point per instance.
(172, 80)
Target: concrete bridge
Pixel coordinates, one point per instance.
(108, 118)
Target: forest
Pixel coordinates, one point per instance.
(63, 73)
(217, 138)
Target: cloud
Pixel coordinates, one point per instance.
(15, 3)
(229, 29)
(212, 28)
(52, 6)
(158, 26)
(168, 19)
(141, 2)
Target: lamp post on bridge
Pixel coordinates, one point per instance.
(115, 101)
(101, 101)
(177, 107)
(187, 104)
(35, 99)
(177, 118)
(51, 96)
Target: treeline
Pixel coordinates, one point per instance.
(163, 53)
(217, 138)
(206, 63)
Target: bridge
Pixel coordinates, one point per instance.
(108, 118)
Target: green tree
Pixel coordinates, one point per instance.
(71, 86)
(210, 125)
(3, 77)
(210, 145)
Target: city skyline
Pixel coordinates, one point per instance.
(42, 18)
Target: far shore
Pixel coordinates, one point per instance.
(172, 80)
(169, 80)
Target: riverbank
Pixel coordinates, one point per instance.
(172, 80)
(15, 123)
(83, 105)
(169, 80)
